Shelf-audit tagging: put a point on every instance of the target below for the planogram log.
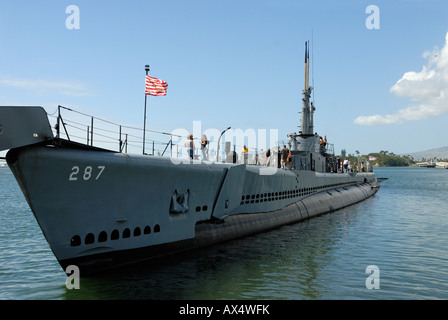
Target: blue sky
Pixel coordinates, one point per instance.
(238, 63)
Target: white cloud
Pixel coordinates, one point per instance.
(44, 86)
(428, 88)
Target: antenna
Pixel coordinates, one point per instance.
(312, 60)
(306, 65)
(307, 125)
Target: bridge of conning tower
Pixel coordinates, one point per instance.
(310, 152)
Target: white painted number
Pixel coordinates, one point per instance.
(101, 171)
(86, 174)
(75, 171)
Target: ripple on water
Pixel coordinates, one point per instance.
(403, 230)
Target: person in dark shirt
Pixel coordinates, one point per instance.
(268, 157)
(284, 152)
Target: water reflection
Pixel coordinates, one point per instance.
(234, 270)
(286, 263)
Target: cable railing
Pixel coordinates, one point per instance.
(105, 134)
(83, 128)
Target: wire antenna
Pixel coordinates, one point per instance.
(312, 59)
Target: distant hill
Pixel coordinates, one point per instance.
(439, 153)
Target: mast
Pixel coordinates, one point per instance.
(307, 125)
(307, 66)
(144, 121)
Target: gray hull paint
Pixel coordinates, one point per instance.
(101, 209)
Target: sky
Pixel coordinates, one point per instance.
(380, 74)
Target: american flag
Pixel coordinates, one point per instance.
(155, 87)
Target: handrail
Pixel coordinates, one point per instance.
(93, 131)
(102, 131)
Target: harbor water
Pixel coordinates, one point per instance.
(394, 245)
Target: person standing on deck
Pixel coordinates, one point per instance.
(244, 154)
(189, 145)
(204, 147)
(284, 152)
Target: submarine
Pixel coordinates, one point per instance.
(100, 209)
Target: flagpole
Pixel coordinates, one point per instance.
(144, 121)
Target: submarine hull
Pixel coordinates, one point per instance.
(99, 210)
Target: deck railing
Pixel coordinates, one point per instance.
(83, 128)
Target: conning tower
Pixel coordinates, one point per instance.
(306, 149)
